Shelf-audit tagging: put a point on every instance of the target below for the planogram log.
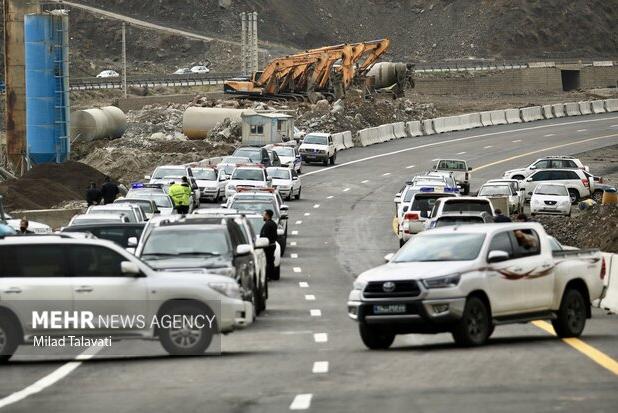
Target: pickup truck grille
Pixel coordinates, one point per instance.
(378, 289)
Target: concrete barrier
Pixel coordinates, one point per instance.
(486, 119)
(531, 114)
(414, 128)
(365, 137)
(428, 127)
(347, 139)
(585, 108)
(598, 106)
(611, 105)
(452, 123)
(338, 141)
(610, 301)
(547, 112)
(55, 218)
(399, 130)
(474, 120)
(498, 117)
(558, 110)
(572, 109)
(439, 125)
(512, 116)
(386, 132)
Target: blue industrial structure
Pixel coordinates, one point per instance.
(47, 87)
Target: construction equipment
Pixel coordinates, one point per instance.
(327, 71)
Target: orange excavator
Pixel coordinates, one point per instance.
(326, 71)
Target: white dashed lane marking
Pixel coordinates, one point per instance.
(298, 222)
(410, 166)
(365, 181)
(548, 135)
(346, 189)
(293, 244)
(386, 174)
(297, 269)
(320, 367)
(301, 402)
(303, 284)
(315, 312)
(294, 232)
(310, 297)
(293, 255)
(320, 337)
(461, 153)
(328, 197)
(487, 147)
(317, 205)
(517, 140)
(307, 214)
(582, 130)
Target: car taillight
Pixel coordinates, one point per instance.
(603, 268)
(411, 216)
(586, 182)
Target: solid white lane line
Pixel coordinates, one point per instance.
(51, 379)
(386, 174)
(410, 167)
(293, 244)
(293, 255)
(317, 205)
(303, 284)
(307, 214)
(346, 189)
(548, 135)
(519, 140)
(310, 297)
(461, 153)
(297, 269)
(487, 147)
(466, 138)
(320, 337)
(295, 232)
(301, 401)
(298, 222)
(315, 312)
(365, 181)
(320, 367)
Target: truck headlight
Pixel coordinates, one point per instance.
(359, 285)
(228, 289)
(225, 271)
(446, 281)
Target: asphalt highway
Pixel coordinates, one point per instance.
(305, 354)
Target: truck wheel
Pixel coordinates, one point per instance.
(375, 338)
(8, 339)
(574, 194)
(571, 315)
(474, 327)
(276, 275)
(186, 340)
(297, 196)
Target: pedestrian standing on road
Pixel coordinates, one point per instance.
(109, 190)
(23, 227)
(500, 217)
(93, 195)
(181, 195)
(269, 230)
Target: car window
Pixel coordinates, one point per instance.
(237, 236)
(95, 261)
(542, 164)
(467, 206)
(493, 190)
(185, 241)
(542, 176)
(555, 245)
(118, 235)
(316, 140)
(452, 165)
(525, 243)
(33, 261)
(279, 173)
(457, 220)
(161, 173)
(425, 203)
(441, 247)
(248, 174)
(501, 242)
(205, 174)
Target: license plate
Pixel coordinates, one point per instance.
(389, 309)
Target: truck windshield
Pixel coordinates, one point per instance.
(441, 247)
(493, 190)
(316, 140)
(185, 241)
(161, 173)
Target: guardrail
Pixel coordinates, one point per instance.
(470, 66)
(151, 81)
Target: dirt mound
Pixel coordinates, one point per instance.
(593, 228)
(47, 185)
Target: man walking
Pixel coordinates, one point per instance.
(181, 195)
(500, 217)
(269, 230)
(93, 195)
(109, 191)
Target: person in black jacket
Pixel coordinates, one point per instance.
(93, 195)
(500, 217)
(269, 230)
(109, 191)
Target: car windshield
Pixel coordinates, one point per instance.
(162, 201)
(458, 220)
(256, 224)
(467, 206)
(424, 203)
(161, 173)
(205, 174)
(492, 190)
(441, 247)
(279, 173)
(452, 165)
(95, 220)
(255, 155)
(557, 190)
(255, 207)
(248, 174)
(284, 151)
(126, 212)
(316, 140)
(234, 159)
(186, 241)
(146, 205)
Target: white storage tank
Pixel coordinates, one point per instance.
(197, 122)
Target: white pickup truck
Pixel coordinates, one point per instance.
(468, 279)
(318, 147)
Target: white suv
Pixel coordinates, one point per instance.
(548, 162)
(250, 176)
(575, 180)
(86, 277)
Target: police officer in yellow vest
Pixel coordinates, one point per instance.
(181, 195)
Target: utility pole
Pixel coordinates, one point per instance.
(124, 59)
(254, 46)
(243, 43)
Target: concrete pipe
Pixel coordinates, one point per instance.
(197, 122)
(105, 123)
(386, 74)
